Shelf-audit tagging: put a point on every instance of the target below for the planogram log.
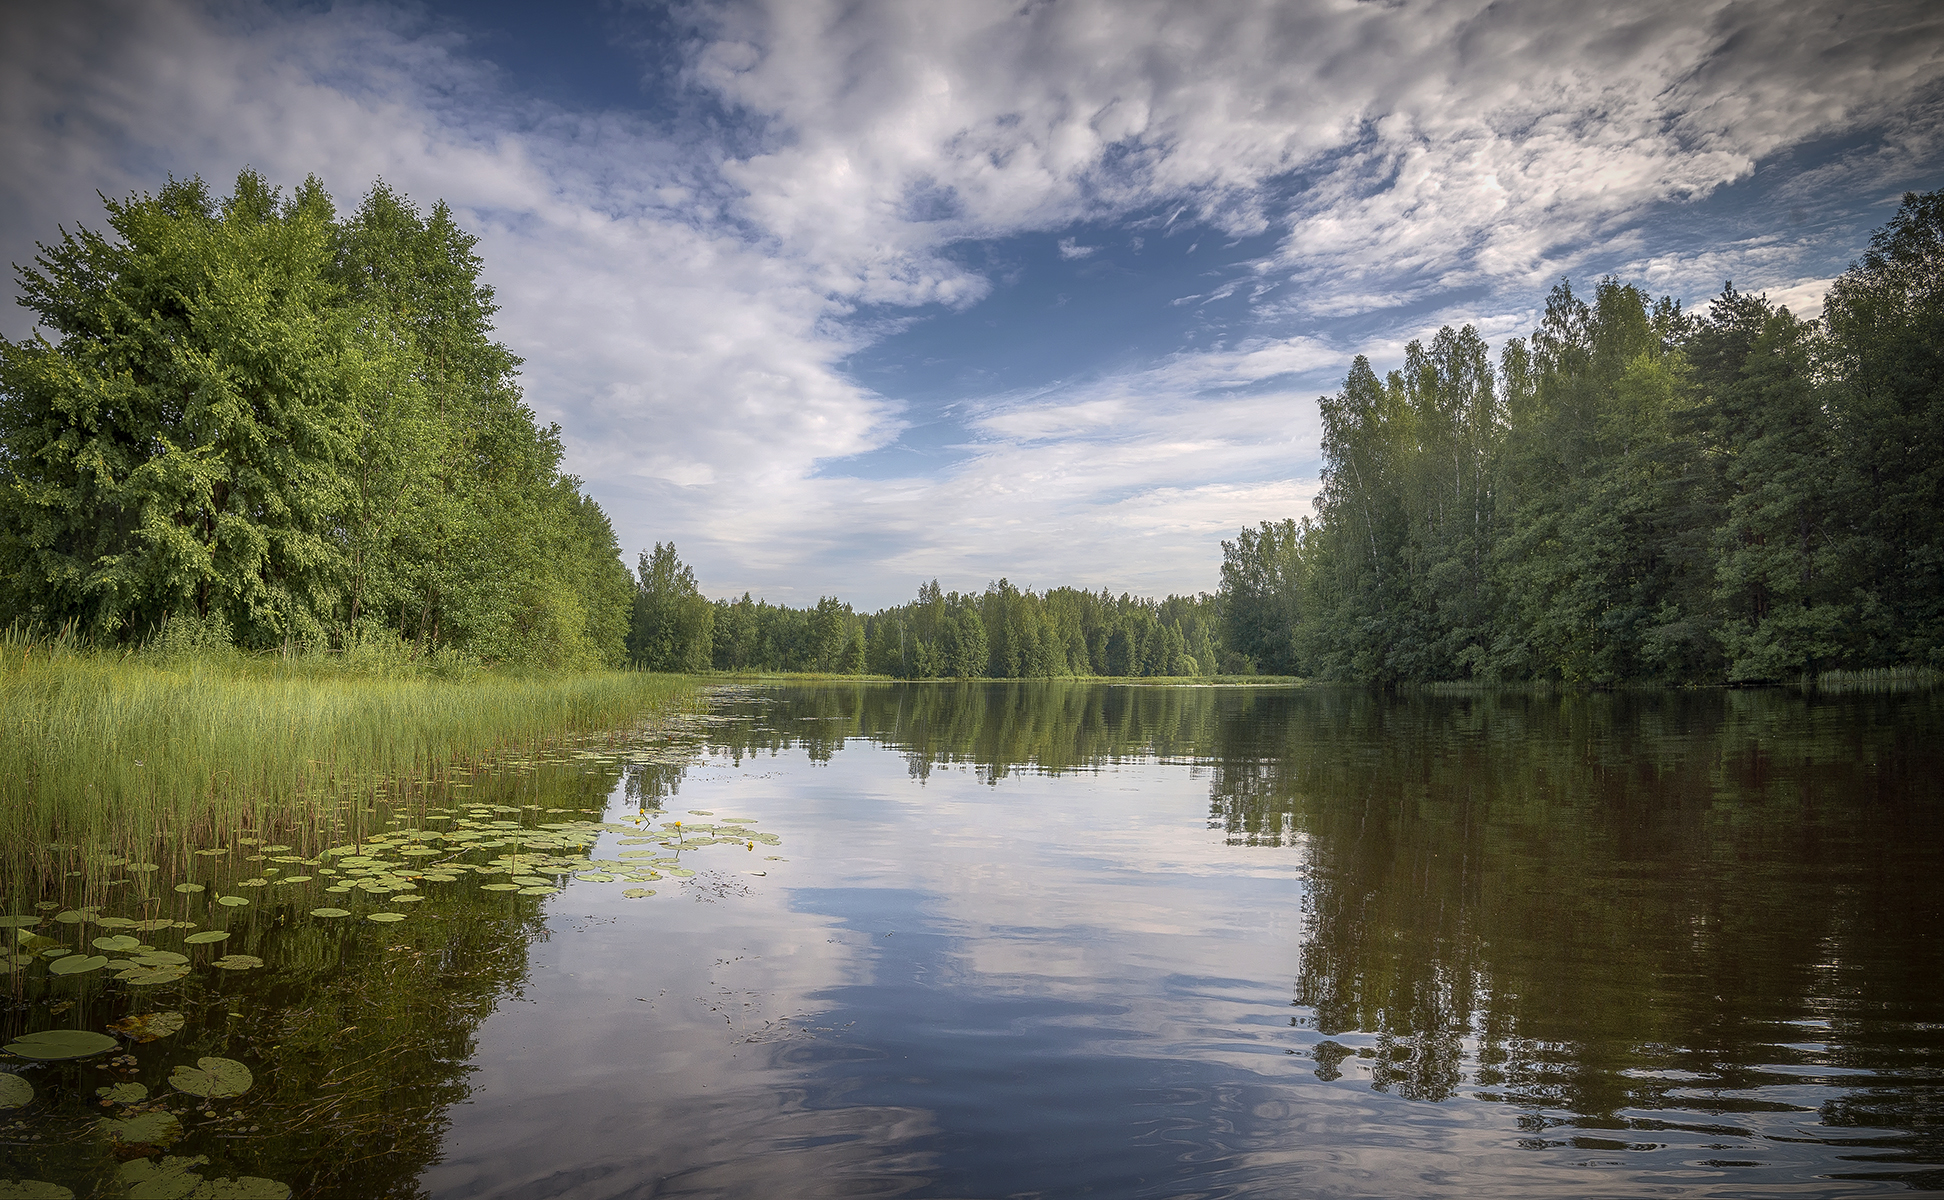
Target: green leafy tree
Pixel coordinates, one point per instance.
(673, 627)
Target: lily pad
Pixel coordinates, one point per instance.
(189, 887)
(542, 890)
(52, 1044)
(74, 916)
(56, 952)
(206, 937)
(237, 962)
(79, 964)
(499, 887)
(385, 917)
(123, 1093)
(231, 901)
(115, 922)
(160, 958)
(158, 1129)
(151, 976)
(638, 893)
(14, 1090)
(213, 1078)
(117, 943)
(147, 1027)
(330, 912)
(243, 1187)
(33, 1189)
(168, 1178)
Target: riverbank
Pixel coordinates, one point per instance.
(104, 748)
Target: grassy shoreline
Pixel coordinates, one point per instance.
(98, 748)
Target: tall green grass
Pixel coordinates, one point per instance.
(117, 751)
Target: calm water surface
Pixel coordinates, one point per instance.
(1070, 940)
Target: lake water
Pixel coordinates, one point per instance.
(1078, 940)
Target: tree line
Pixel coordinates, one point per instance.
(289, 426)
(1001, 633)
(1633, 494)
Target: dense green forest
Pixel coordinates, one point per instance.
(284, 426)
(1001, 633)
(1635, 493)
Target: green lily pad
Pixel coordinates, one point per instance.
(159, 958)
(206, 937)
(189, 887)
(231, 901)
(14, 1090)
(151, 976)
(499, 887)
(158, 1129)
(169, 1178)
(123, 1093)
(680, 872)
(539, 891)
(33, 1189)
(147, 1027)
(144, 868)
(213, 852)
(214, 1078)
(117, 943)
(243, 1187)
(52, 1044)
(295, 879)
(237, 962)
(638, 893)
(56, 952)
(152, 926)
(115, 922)
(330, 912)
(74, 916)
(595, 877)
(18, 922)
(385, 917)
(79, 964)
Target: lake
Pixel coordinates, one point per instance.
(1042, 939)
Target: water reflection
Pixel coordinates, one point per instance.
(1066, 939)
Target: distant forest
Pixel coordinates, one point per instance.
(1635, 494)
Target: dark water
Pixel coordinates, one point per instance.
(1075, 940)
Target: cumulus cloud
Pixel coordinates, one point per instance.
(687, 295)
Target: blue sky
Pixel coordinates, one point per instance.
(844, 295)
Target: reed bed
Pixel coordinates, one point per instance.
(116, 752)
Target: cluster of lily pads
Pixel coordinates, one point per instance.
(142, 1127)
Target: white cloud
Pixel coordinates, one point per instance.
(686, 311)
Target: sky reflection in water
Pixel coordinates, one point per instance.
(1075, 939)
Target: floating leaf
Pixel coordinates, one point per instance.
(144, 868)
(406, 899)
(243, 1187)
(638, 893)
(680, 872)
(160, 958)
(189, 887)
(115, 923)
(237, 962)
(74, 916)
(595, 877)
(206, 937)
(231, 901)
(499, 887)
(33, 1189)
(56, 952)
(150, 976)
(385, 917)
(79, 964)
(160, 1179)
(330, 912)
(116, 944)
(295, 879)
(211, 853)
(147, 1027)
(123, 1093)
(14, 1091)
(51, 1044)
(214, 1078)
(158, 1129)
(152, 926)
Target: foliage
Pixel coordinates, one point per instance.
(255, 413)
(1635, 494)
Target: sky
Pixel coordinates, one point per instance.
(842, 296)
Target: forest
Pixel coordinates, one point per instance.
(260, 423)
(1634, 494)
(1000, 633)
